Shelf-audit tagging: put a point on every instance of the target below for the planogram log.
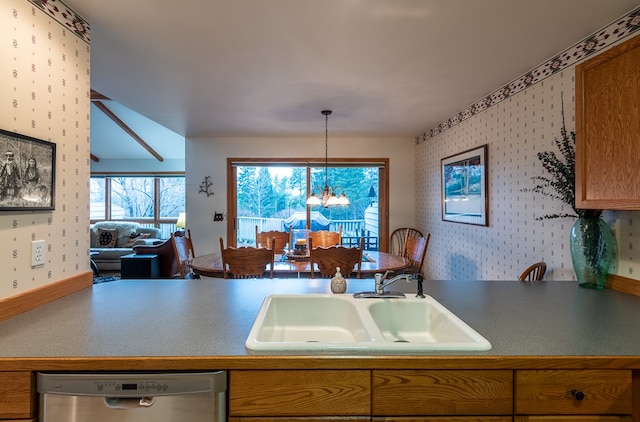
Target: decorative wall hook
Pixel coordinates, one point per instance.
(205, 186)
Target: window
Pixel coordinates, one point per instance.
(132, 197)
(152, 200)
(272, 194)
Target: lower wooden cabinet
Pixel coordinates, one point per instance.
(581, 418)
(585, 395)
(301, 419)
(573, 392)
(298, 393)
(17, 396)
(444, 419)
(19, 420)
(443, 392)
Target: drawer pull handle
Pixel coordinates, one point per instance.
(577, 394)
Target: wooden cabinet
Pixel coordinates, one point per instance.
(608, 129)
(301, 419)
(451, 395)
(442, 392)
(353, 395)
(444, 419)
(572, 419)
(17, 396)
(255, 394)
(573, 392)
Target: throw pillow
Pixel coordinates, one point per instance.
(134, 237)
(107, 238)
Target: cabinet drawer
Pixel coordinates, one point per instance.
(302, 419)
(299, 393)
(572, 419)
(446, 392)
(557, 392)
(445, 419)
(17, 395)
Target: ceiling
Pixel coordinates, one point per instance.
(266, 68)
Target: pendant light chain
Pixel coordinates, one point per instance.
(329, 195)
(326, 146)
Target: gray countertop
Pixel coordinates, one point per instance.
(212, 317)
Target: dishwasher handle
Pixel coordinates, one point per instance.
(128, 402)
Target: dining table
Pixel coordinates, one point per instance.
(287, 266)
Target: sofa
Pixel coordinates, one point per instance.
(109, 240)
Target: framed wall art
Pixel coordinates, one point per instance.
(464, 187)
(27, 173)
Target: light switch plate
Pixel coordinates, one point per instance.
(37, 252)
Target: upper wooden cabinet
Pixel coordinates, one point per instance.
(608, 129)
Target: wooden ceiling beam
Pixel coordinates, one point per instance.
(96, 96)
(106, 110)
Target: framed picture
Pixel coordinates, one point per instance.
(464, 187)
(27, 173)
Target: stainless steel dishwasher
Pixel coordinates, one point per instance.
(129, 397)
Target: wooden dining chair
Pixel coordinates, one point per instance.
(399, 237)
(329, 258)
(282, 239)
(535, 272)
(183, 248)
(186, 232)
(246, 262)
(326, 238)
(415, 249)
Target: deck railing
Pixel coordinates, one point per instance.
(352, 230)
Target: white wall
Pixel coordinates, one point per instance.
(515, 127)
(208, 157)
(515, 130)
(45, 92)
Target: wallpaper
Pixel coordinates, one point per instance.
(516, 122)
(45, 94)
(597, 42)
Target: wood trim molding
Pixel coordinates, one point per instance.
(26, 301)
(623, 284)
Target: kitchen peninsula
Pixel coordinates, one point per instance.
(546, 337)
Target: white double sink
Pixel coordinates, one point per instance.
(317, 322)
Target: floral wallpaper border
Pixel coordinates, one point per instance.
(613, 33)
(65, 16)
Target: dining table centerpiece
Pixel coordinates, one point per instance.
(591, 240)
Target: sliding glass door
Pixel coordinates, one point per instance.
(272, 195)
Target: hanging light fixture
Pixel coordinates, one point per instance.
(330, 195)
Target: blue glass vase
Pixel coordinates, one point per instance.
(591, 251)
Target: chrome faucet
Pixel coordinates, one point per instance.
(380, 285)
(380, 278)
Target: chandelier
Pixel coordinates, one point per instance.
(330, 195)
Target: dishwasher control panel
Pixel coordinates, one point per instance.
(126, 385)
(146, 387)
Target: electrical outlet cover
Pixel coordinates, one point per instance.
(37, 252)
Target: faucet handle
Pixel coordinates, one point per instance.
(379, 278)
